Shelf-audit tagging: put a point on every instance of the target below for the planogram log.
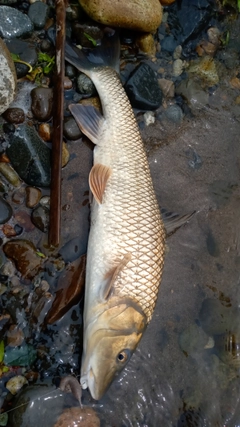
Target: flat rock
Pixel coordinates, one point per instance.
(30, 156)
(14, 23)
(24, 255)
(8, 78)
(186, 20)
(143, 89)
(140, 15)
(26, 52)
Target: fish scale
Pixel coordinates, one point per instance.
(129, 213)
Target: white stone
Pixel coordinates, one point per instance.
(8, 78)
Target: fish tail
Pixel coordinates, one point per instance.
(105, 55)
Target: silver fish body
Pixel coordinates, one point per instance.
(127, 237)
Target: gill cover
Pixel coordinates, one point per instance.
(110, 342)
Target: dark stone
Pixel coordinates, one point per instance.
(14, 23)
(30, 157)
(38, 13)
(14, 115)
(5, 211)
(143, 89)
(73, 12)
(85, 85)
(184, 30)
(26, 52)
(192, 418)
(8, 128)
(169, 43)
(70, 129)
(18, 229)
(40, 218)
(70, 71)
(46, 46)
(42, 103)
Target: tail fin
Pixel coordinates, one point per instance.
(86, 60)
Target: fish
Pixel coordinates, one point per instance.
(126, 246)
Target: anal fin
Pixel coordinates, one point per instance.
(98, 178)
(88, 119)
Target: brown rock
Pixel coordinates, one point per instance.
(67, 83)
(167, 87)
(44, 131)
(65, 154)
(24, 220)
(8, 230)
(14, 115)
(33, 195)
(166, 2)
(23, 253)
(74, 417)
(146, 43)
(235, 82)
(15, 336)
(140, 15)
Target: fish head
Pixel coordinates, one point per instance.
(109, 344)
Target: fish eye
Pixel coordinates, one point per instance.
(122, 357)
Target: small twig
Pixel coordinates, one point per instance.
(55, 202)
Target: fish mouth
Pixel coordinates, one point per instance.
(89, 381)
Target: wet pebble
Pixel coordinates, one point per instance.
(33, 195)
(45, 201)
(177, 67)
(143, 89)
(65, 154)
(74, 417)
(8, 78)
(44, 131)
(14, 115)
(14, 23)
(146, 43)
(67, 83)
(70, 71)
(149, 118)
(167, 87)
(24, 255)
(16, 383)
(70, 129)
(5, 211)
(24, 220)
(85, 85)
(18, 229)
(40, 218)
(83, 34)
(26, 51)
(18, 196)
(38, 13)
(30, 156)
(15, 336)
(8, 230)
(174, 114)
(42, 103)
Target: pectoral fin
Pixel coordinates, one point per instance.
(98, 179)
(111, 276)
(172, 221)
(88, 119)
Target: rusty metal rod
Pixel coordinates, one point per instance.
(57, 135)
